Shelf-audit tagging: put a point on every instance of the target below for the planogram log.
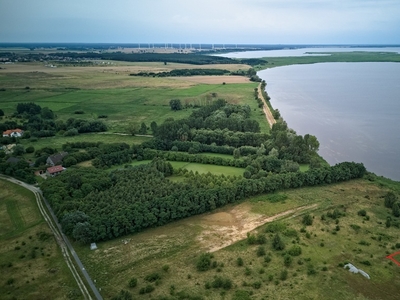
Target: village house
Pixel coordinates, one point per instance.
(56, 159)
(13, 133)
(54, 171)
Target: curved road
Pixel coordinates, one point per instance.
(62, 240)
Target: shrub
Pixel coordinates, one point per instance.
(165, 268)
(220, 282)
(204, 262)
(256, 285)
(277, 243)
(239, 261)
(260, 251)
(362, 212)
(79, 112)
(366, 262)
(133, 282)
(147, 289)
(295, 250)
(307, 220)
(152, 277)
(287, 260)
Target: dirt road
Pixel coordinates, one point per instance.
(270, 118)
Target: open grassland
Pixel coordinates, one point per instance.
(57, 141)
(356, 56)
(125, 100)
(31, 264)
(196, 167)
(165, 258)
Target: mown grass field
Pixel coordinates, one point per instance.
(31, 263)
(170, 252)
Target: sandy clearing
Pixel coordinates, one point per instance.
(213, 79)
(222, 229)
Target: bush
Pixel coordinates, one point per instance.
(204, 262)
(147, 289)
(277, 243)
(362, 212)
(133, 282)
(287, 260)
(307, 220)
(165, 268)
(283, 276)
(152, 277)
(260, 251)
(220, 282)
(79, 112)
(239, 261)
(295, 250)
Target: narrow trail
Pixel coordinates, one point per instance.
(268, 114)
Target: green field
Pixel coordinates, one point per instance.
(196, 167)
(31, 263)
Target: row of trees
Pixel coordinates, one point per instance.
(136, 198)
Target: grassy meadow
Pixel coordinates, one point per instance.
(31, 263)
(125, 100)
(165, 258)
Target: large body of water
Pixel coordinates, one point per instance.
(352, 108)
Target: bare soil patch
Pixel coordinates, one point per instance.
(222, 229)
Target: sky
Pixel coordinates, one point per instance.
(201, 21)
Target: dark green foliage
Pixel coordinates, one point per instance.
(275, 227)
(277, 243)
(366, 262)
(239, 261)
(175, 104)
(1, 113)
(307, 220)
(143, 129)
(261, 251)
(256, 285)
(147, 289)
(355, 227)
(390, 199)
(362, 212)
(204, 262)
(152, 277)
(396, 209)
(28, 108)
(287, 260)
(220, 282)
(183, 72)
(295, 250)
(133, 282)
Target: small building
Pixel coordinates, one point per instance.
(93, 246)
(56, 159)
(54, 171)
(13, 133)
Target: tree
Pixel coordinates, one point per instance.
(1, 113)
(143, 128)
(390, 199)
(307, 220)
(396, 209)
(277, 243)
(82, 232)
(175, 104)
(18, 150)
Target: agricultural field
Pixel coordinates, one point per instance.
(124, 100)
(171, 262)
(31, 263)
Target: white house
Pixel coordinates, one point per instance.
(13, 133)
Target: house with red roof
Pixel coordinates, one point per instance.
(13, 133)
(54, 171)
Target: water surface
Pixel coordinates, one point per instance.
(352, 108)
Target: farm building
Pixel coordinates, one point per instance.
(54, 171)
(13, 133)
(56, 159)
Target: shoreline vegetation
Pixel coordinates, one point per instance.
(167, 223)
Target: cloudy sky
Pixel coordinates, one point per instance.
(201, 21)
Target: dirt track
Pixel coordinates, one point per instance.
(225, 228)
(270, 118)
